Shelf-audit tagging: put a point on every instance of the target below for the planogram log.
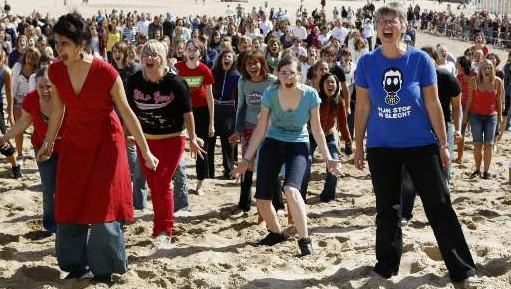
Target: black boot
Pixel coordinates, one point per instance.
(246, 192)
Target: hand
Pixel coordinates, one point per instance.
(4, 144)
(211, 130)
(151, 161)
(196, 145)
(240, 169)
(234, 138)
(130, 141)
(44, 153)
(333, 166)
(10, 119)
(359, 158)
(445, 158)
(458, 136)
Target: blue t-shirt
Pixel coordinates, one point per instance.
(290, 125)
(398, 116)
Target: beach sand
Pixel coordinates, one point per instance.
(213, 247)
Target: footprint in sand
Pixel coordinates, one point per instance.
(37, 235)
(432, 252)
(496, 267)
(6, 239)
(40, 273)
(417, 266)
(34, 224)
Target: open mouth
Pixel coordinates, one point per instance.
(289, 84)
(387, 34)
(64, 57)
(118, 58)
(149, 65)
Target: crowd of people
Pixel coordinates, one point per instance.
(124, 91)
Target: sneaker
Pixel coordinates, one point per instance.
(102, 281)
(77, 274)
(486, 175)
(305, 245)
(271, 239)
(477, 173)
(16, 172)
(348, 149)
(162, 239)
(472, 282)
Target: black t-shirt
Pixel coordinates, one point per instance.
(159, 106)
(448, 87)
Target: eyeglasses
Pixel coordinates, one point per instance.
(287, 73)
(151, 55)
(394, 22)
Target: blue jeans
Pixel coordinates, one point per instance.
(328, 192)
(138, 179)
(48, 173)
(100, 247)
(450, 145)
(483, 128)
(180, 183)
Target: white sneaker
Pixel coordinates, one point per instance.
(162, 239)
(473, 282)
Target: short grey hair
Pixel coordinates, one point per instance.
(393, 8)
(155, 46)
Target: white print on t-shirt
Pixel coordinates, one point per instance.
(159, 100)
(392, 81)
(396, 112)
(254, 98)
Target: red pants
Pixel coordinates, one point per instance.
(168, 152)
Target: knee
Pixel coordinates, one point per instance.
(292, 194)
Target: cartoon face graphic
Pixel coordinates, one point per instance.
(392, 82)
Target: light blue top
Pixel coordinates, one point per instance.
(290, 125)
(398, 116)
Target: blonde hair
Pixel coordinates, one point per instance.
(480, 77)
(155, 46)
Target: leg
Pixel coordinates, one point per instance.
(180, 184)
(269, 215)
(297, 210)
(229, 154)
(246, 192)
(201, 118)
(450, 144)
(106, 252)
(385, 167)
(425, 170)
(211, 157)
(48, 173)
(490, 127)
(307, 175)
(70, 246)
(328, 193)
(408, 193)
(18, 139)
(477, 125)
(139, 186)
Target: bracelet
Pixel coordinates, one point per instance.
(442, 146)
(47, 143)
(244, 160)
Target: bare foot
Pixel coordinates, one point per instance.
(459, 161)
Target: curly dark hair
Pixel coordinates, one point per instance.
(74, 27)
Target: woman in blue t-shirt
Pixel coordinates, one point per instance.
(397, 103)
(290, 105)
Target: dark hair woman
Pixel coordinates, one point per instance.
(333, 117)
(225, 93)
(93, 192)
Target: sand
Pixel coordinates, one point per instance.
(213, 248)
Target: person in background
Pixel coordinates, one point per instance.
(6, 148)
(507, 94)
(200, 80)
(225, 93)
(484, 107)
(464, 68)
(36, 108)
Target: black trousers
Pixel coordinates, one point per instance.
(424, 167)
(225, 118)
(201, 118)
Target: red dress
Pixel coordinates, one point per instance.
(93, 182)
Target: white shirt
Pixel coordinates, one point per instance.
(300, 31)
(266, 26)
(143, 26)
(449, 67)
(324, 39)
(368, 30)
(339, 33)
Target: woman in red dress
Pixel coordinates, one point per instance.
(93, 191)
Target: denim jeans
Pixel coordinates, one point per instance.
(329, 188)
(100, 247)
(180, 183)
(48, 173)
(483, 128)
(138, 179)
(450, 145)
